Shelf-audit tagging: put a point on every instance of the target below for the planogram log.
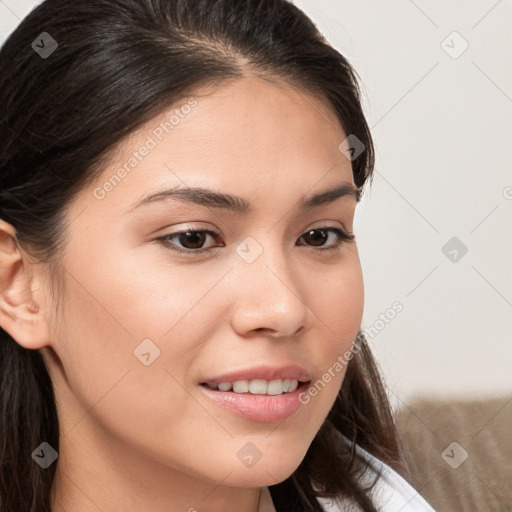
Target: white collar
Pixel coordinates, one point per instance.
(391, 492)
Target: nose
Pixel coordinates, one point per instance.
(268, 297)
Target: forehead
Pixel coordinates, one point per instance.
(247, 137)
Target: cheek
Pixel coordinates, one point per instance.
(340, 303)
(177, 308)
(110, 306)
(145, 407)
(149, 298)
(338, 312)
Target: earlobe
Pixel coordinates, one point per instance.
(20, 314)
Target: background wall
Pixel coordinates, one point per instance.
(434, 231)
(441, 116)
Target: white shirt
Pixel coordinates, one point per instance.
(390, 494)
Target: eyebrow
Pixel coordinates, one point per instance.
(235, 204)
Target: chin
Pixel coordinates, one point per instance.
(273, 466)
(261, 475)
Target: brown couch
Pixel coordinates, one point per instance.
(459, 453)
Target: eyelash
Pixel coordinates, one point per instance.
(342, 236)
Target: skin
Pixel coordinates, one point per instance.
(136, 437)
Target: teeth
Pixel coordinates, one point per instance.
(275, 387)
(258, 386)
(224, 386)
(241, 386)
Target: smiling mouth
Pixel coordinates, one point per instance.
(258, 386)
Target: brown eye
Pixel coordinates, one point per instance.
(316, 236)
(319, 236)
(191, 240)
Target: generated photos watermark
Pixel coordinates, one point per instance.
(152, 141)
(343, 360)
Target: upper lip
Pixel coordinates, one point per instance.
(264, 372)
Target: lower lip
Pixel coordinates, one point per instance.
(258, 408)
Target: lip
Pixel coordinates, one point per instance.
(258, 408)
(265, 372)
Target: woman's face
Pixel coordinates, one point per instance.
(150, 316)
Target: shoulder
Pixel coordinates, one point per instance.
(391, 491)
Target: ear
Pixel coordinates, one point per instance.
(20, 313)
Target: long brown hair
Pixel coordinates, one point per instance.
(112, 66)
